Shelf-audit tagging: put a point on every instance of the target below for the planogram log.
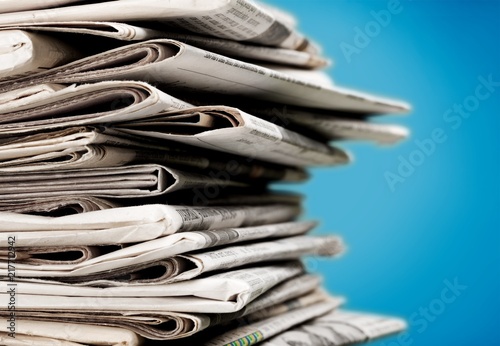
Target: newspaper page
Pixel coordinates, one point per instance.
(186, 267)
(336, 126)
(318, 77)
(120, 182)
(299, 302)
(339, 328)
(58, 205)
(267, 328)
(280, 56)
(243, 134)
(23, 53)
(221, 293)
(108, 259)
(104, 102)
(292, 288)
(237, 20)
(318, 124)
(308, 299)
(215, 128)
(114, 30)
(150, 325)
(134, 224)
(16, 5)
(175, 325)
(181, 66)
(90, 147)
(39, 257)
(128, 32)
(46, 333)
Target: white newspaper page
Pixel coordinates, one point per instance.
(150, 251)
(132, 181)
(267, 328)
(128, 32)
(279, 56)
(174, 325)
(238, 20)
(179, 65)
(339, 328)
(292, 288)
(115, 101)
(241, 133)
(41, 333)
(58, 205)
(187, 267)
(23, 53)
(90, 147)
(16, 5)
(149, 325)
(118, 31)
(133, 224)
(335, 126)
(221, 293)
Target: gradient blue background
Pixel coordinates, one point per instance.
(443, 221)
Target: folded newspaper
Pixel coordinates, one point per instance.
(178, 65)
(220, 293)
(292, 293)
(339, 328)
(133, 224)
(120, 182)
(90, 147)
(103, 260)
(128, 32)
(238, 20)
(183, 267)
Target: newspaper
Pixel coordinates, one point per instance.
(267, 328)
(104, 102)
(240, 133)
(90, 147)
(181, 267)
(317, 77)
(237, 20)
(311, 298)
(303, 301)
(319, 124)
(247, 52)
(171, 325)
(215, 128)
(128, 32)
(178, 65)
(24, 52)
(39, 257)
(58, 205)
(330, 126)
(107, 260)
(339, 328)
(66, 205)
(45, 333)
(283, 294)
(221, 293)
(134, 224)
(119, 182)
(114, 30)
(16, 5)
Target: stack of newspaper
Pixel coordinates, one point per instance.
(138, 139)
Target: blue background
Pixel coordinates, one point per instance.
(442, 222)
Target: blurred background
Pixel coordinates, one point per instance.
(423, 241)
